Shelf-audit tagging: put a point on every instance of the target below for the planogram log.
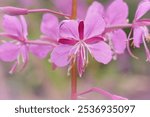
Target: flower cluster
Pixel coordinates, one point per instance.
(99, 33)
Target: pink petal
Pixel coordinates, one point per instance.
(24, 26)
(137, 36)
(60, 55)
(94, 24)
(50, 25)
(143, 7)
(117, 12)
(8, 52)
(40, 51)
(101, 52)
(119, 38)
(69, 29)
(12, 25)
(96, 7)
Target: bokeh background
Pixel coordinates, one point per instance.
(127, 77)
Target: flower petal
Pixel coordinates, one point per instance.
(60, 55)
(40, 51)
(69, 29)
(101, 52)
(96, 7)
(117, 12)
(119, 38)
(12, 25)
(94, 24)
(50, 26)
(9, 52)
(24, 26)
(143, 7)
(137, 36)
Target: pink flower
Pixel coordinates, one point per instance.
(79, 38)
(16, 29)
(50, 31)
(140, 31)
(115, 14)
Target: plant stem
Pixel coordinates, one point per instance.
(73, 81)
(74, 9)
(47, 11)
(73, 62)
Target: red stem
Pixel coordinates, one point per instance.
(73, 64)
(73, 81)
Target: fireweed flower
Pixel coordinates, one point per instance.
(50, 33)
(77, 38)
(115, 14)
(16, 29)
(140, 31)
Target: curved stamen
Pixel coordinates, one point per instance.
(146, 49)
(128, 46)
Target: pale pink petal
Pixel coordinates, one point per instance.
(142, 9)
(117, 12)
(119, 38)
(40, 51)
(8, 52)
(50, 25)
(12, 25)
(24, 26)
(60, 55)
(96, 7)
(101, 52)
(94, 24)
(137, 36)
(69, 29)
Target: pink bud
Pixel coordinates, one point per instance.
(13, 10)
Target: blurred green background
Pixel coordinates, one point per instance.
(127, 77)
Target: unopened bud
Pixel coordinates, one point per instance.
(13, 11)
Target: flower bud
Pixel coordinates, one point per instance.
(13, 11)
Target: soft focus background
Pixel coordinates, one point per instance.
(126, 76)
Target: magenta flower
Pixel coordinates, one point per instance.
(115, 14)
(16, 29)
(50, 31)
(79, 38)
(140, 31)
